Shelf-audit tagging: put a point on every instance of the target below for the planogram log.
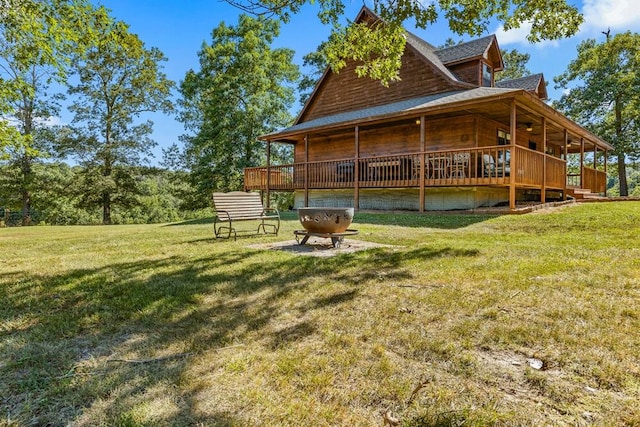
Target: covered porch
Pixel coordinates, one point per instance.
(515, 144)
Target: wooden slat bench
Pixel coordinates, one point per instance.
(241, 206)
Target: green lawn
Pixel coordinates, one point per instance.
(163, 325)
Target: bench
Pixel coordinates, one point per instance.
(241, 206)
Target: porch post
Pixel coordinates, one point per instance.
(356, 170)
(423, 158)
(543, 190)
(306, 170)
(581, 162)
(268, 173)
(513, 162)
(566, 162)
(606, 157)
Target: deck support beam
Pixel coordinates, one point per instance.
(306, 171)
(356, 170)
(268, 195)
(606, 156)
(513, 165)
(566, 163)
(543, 190)
(423, 159)
(581, 162)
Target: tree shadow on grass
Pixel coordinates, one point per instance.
(63, 333)
(448, 220)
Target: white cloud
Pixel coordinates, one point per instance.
(619, 15)
(599, 15)
(519, 36)
(50, 121)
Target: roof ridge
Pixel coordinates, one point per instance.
(465, 43)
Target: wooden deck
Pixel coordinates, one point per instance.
(489, 166)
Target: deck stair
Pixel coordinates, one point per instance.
(583, 194)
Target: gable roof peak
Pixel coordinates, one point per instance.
(532, 83)
(477, 48)
(367, 15)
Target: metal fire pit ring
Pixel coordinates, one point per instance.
(336, 238)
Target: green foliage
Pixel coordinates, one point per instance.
(38, 40)
(242, 90)
(515, 65)
(149, 195)
(316, 62)
(604, 94)
(377, 50)
(379, 54)
(119, 79)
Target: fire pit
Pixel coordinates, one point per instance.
(330, 223)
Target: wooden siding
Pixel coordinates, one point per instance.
(450, 134)
(346, 92)
(322, 148)
(467, 72)
(398, 139)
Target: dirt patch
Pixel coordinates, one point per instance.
(320, 247)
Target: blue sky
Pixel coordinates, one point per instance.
(178, 29)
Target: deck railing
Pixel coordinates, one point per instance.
(594, 180)
(478, 166)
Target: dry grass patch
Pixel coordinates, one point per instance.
(163, 325)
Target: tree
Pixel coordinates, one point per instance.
(38, 39)
(119, 79)
(605, 96)
(377, 47)
(242, 90)
(515, 65)
(316, 62)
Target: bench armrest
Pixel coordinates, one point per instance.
(223, 215)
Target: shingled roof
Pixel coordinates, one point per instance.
(533, 83)
(464, 51)
(429, 52)
(423, 103)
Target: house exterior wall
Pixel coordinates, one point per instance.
(346, 92)
(450, 133)
(396, 139)
(468, 72)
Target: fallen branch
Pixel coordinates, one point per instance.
(418, 286)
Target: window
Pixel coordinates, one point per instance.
(487, 75)
(504, 156)
(504, 138)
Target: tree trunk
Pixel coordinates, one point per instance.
(622, 176)
(106, 209)
(622, 169)
(26, 208)
(25, 193)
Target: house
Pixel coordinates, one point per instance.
(445, 136)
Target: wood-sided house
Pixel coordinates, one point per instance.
(446, 136)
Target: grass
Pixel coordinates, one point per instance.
(163, 325)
